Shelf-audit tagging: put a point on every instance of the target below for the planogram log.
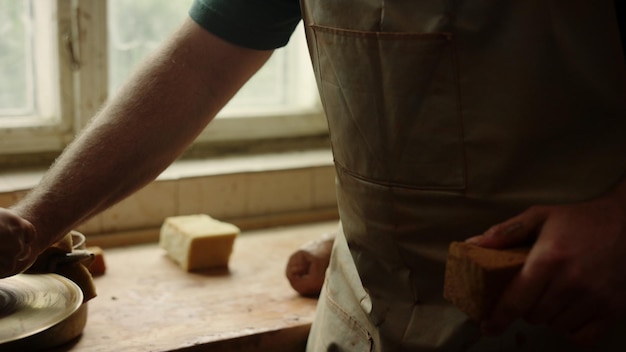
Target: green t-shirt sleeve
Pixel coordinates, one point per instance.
(254, 24)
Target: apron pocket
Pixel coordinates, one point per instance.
(392, 105)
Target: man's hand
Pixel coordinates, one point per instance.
(17, 237)
(574, 279)
(306, 267)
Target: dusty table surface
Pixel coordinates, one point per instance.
(148, 303)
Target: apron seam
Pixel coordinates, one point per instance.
(384, 183)
(423, 36)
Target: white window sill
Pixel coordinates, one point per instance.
(250, 191)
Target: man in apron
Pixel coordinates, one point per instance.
(445, 117)
(446, 122)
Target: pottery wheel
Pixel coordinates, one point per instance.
(33, 303)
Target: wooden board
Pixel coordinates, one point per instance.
(147, 303)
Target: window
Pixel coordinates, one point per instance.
(33, 116)
(62, 59)
(16, 64)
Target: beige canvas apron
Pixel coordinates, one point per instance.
(445, 118)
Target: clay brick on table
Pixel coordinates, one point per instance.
(476, 276)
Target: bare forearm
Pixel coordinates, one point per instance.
(150, 122)
(108, 161)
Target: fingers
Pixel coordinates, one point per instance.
(7, 267)
(542, 297)
(17, 238)
(550, 306)
(518, 298)
(585, 320)
(513, 232)
(574, 317)
(27, 239)
(590, 332)
(298, 264)
(306, 268)
(305, 273)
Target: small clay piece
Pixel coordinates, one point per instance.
(98, 266)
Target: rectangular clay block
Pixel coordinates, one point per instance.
(476, 276)
(198, 241)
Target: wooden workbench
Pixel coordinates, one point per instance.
(147, 303)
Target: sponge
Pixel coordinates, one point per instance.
(476, 276)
